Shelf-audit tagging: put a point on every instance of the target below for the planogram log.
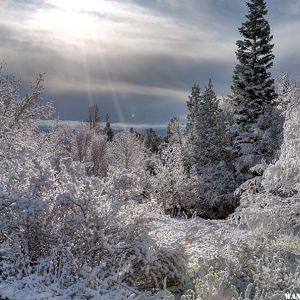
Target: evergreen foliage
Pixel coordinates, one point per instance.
(108, 130)
(192, 105)
(206, 130)
(253, 87)
(174, 132)
(152, 140)
(207, 155)
(256, 120)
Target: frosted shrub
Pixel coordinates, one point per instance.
(271, 202)
(287, 91)
(270, 213)
(126, 151)
(283, 176)
(80, 233)
(19, 114)
(250, 269)
(82, 142)
(98, 155)
(260, 143)
(170, 184)
(65, 231)
(215, 191)
(127, 175)
(61, 141)
(88, 145)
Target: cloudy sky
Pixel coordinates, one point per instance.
(135, 59)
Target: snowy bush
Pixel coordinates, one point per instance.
(65, 232)
(269, 213)
(80, 234)
(284, 176)
(287, 90)
(252, 269)
(128, 174)
(19, 114)
(90, 146)
(271, 202)
(215, 191)
(170, 185)
(126, 151)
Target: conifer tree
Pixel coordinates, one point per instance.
(254, 97)
(174, 132)
(208, 156)
(192, 105)
(253, 87)
(152, 140)
(108, 130)
(206, 128)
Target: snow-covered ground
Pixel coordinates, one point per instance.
(199, 241)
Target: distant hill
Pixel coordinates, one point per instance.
(161, 129)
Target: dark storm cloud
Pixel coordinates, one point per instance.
(134, 57)
(163, 71)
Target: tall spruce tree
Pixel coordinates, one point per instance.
(254, 95)
(253, 87)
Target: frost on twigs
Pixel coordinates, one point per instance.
(83, 217)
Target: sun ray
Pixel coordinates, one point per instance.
(76, 22)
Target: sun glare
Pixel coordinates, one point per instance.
(68, 22)
(78, 19)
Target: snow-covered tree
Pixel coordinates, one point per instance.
(151, 140)
(287, 90)
(175, 132)
(82, 144)
(170, 185)
(254, 95)
(283, 176)
(83, 137)
(126, 151)
(108, 130)
(192, 105)
(61, 141)
(127, 172)
(207, 137)
(253, 87)
(98, 155)
(208, 155)
(18, 114)
(271, 202)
